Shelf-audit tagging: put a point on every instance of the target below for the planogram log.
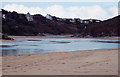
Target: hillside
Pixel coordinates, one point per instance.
(108, 27)
(17, 24)
(26, 24)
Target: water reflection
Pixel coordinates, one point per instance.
(60, 41)
(39, 45)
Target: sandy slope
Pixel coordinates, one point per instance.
(90, 62)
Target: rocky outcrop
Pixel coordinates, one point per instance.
(5, 37)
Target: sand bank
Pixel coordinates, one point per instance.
(65, 36)
(112, 38)
(89, 62)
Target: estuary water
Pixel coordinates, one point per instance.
(45, 45)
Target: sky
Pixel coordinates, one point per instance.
(83, 10)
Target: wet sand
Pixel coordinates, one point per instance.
(66, 36)
(111, 38)
(57, 36)
(88, 62)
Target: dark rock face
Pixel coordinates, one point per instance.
(5, 36)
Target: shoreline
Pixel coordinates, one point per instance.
(86, 62)
(64, 52)
(66, 37)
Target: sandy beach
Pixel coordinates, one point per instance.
(64, 36)
(53, 36)
(59, 38)
(88, 62)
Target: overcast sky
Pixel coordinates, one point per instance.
(83, 10)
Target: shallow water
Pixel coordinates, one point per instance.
(40, 45)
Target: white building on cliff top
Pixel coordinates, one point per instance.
(48, 16)
(29, 17)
